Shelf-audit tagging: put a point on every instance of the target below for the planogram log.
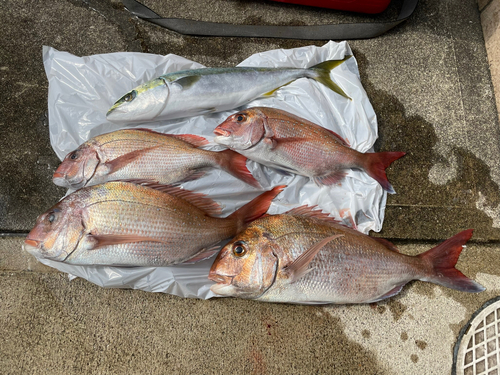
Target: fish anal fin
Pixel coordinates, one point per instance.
(300, 266)
(270, 93)
(387, 244)
(330, 179)
(101, 240)
(311, 211)
(194, 176)
(123, 160)
(203, 254)
(273, 91)
(390, 293)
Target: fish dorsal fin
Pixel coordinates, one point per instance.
(310, 211)
(147, 130)
(387, 244)
(299, 267)
(122, 161)
(101, 240)
(192, 139)
(201, 201)
(339, 138)
(187, 81)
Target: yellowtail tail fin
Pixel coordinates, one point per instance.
(322, 71)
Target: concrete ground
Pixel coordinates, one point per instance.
(431, 86)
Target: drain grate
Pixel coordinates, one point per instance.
(477, 351)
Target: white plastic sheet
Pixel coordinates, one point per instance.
(82, 89)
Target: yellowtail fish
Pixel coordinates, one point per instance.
(124, 224)
(304, 257)
(287, 142)
(146, 155)
(200, 91)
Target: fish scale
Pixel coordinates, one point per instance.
(124, 224)
(284, 141)
(142, 154)
(278, 259)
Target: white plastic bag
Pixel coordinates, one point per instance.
(82, 89)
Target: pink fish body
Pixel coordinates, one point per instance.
(284, 141)
(142, 154)
(125, 224)
(303, 257)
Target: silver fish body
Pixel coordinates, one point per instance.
(200, 91)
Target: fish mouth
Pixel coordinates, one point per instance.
(222, 132)
(114, 113)
(220, 279)
(59, 179)
(31, 243)
(32, 247)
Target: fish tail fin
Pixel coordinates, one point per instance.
(442, 260)
(322, 75)
(375, 165)
(256, 208)
(236, 165)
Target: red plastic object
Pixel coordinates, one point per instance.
(361, 6)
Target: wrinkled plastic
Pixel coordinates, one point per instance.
(82, 89)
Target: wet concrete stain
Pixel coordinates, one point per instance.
(404, 336)
(421, 344)
(397, 309)
(365, 333)
(232, 334)
(414, 358)
(422, 209)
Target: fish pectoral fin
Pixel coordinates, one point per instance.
(122, 161)
(101, 240)
(203, 254)
(187, 81)
(275, 142)
(299, 267)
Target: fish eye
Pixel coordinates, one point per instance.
(130, 96)
(51, 217)
(240, 117)
(73, 155)
(239, 249)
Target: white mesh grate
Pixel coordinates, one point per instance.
(479, 351)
